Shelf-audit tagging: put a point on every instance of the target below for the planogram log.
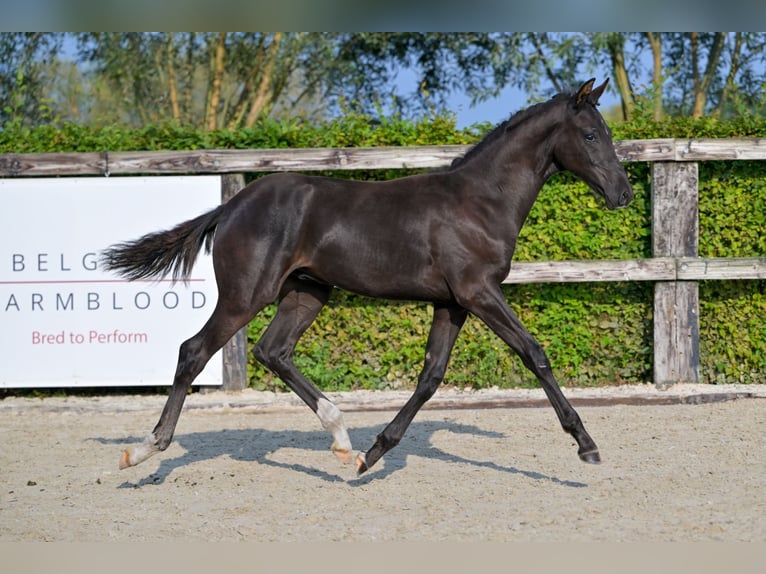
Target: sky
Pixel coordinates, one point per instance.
(499, 109)
(494, 111)
(508, 102)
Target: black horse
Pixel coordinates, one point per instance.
(445, 236)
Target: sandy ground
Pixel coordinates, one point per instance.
(685, 464)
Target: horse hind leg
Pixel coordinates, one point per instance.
(193, 355)
(298, 308)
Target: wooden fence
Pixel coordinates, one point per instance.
(674, 266)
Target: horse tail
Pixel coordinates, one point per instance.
(163, 252)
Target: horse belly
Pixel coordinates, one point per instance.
(388, 274)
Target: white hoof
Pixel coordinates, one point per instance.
(134, 455)
(361, 463)
(332, 420)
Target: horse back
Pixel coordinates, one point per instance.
(392, 239)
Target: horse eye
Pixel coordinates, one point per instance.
(589, 137)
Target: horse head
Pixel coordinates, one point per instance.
(586, 147)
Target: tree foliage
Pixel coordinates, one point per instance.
(231, 79)
(25, 70)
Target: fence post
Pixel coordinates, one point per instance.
(675, 233)
(235, 351)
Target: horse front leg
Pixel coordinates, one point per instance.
(446, 324)
(490, 306)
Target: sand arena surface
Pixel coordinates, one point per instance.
(686, 464)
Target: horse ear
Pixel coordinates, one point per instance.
(596, 93)
(584, 92)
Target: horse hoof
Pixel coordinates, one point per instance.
(125, 460)
(343, 455)
(591, 457)
(361, 464)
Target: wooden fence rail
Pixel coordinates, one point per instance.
(315, 159)
(674, 266)
(654, 269)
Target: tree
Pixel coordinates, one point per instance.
(209, 80)
(25, 68)
(613, 44)
(742, 85)
(690, 73)
(231, 80)
(655, 44)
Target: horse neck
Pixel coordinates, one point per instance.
(519, 158)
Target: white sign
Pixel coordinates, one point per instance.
(66, 322)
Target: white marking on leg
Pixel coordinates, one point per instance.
(332, 421)
(134, 455)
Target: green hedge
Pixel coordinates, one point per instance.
(594, 333)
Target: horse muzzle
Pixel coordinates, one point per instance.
(621, 200)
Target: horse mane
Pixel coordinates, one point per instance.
(506, 126)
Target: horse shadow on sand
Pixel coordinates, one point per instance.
(259, 446)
